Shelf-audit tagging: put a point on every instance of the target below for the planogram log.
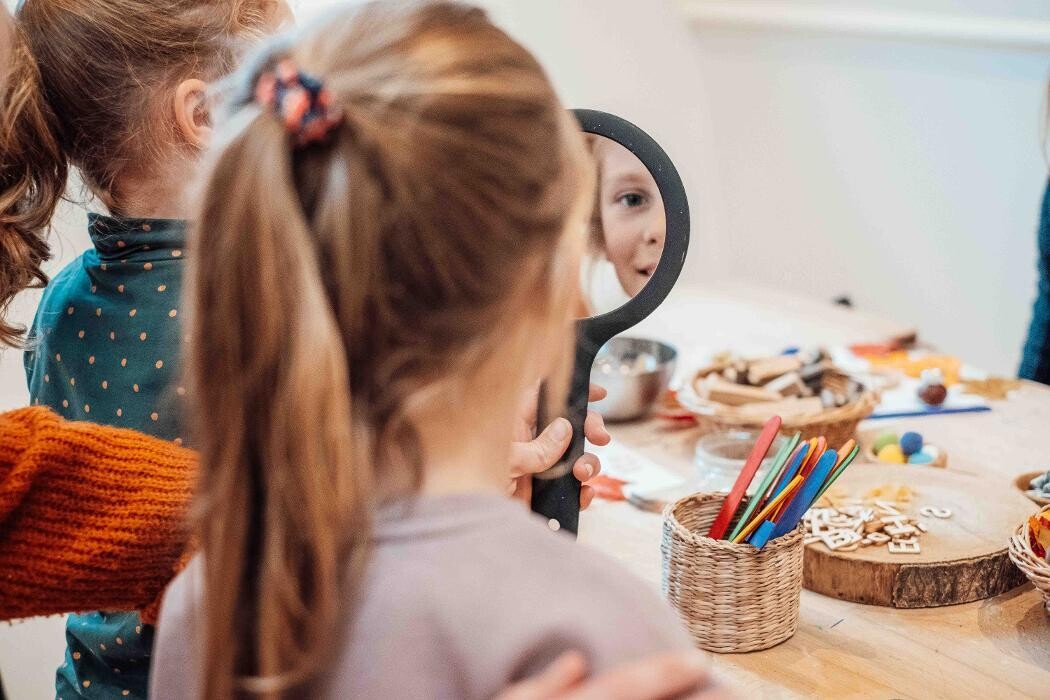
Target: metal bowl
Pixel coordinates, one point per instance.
(636, 373)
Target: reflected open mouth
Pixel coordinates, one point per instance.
(646, 271)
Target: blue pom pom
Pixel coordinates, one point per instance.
(911, 443)
(921, 458)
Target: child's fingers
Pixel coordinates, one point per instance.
(587, 467)
(542, 453)
(684, 673)
(586, 496)
(553, 682)
(597, 393)
(594, 429)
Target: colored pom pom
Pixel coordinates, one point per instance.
(921, 458)
(891, 454)
(885, 439)
(933, 394)
(911, 443)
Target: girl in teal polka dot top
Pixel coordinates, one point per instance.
(105, 347)
(118, 91)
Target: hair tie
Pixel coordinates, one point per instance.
(301, 101)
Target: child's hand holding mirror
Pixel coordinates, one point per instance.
(533, 454)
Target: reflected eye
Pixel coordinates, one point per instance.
(632, 199)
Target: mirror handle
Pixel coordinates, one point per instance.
(556, 492)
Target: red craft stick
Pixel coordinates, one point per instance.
(732, 502)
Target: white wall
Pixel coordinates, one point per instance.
(905, 173)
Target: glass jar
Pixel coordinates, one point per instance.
(720, 457)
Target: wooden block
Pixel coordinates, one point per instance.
(789, 384)
(896, 531)
(873, 526)
(761, 371)
(837, 539)
(887, 508)
(785, 408)
(905, 546)
(715, 388)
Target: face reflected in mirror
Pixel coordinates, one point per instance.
(628, 228)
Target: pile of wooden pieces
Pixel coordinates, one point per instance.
(800, 384)
(855, 523)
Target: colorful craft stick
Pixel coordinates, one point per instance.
(845, 450)
(767, 481)
(732, 502)
(793, 513)
(761, 517)
(803, 470)
(814, 456)
(838, 471)
(791, 469)
(762, 534)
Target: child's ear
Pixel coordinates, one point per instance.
(192, 113)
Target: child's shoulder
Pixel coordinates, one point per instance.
(64, 285)
(509, 597)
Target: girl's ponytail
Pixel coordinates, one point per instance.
(285, 501)
(33, 169)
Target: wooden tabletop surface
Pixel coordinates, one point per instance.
(994, 648)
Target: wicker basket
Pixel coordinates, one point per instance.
(837, 425)
(1036, 569)
(731, 597)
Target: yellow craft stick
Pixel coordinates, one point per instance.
(758, 519)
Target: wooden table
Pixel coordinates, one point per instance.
(996, 648)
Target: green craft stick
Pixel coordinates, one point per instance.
(767, 481)
(838, 472)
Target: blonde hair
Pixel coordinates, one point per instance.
(80, 91)
(344, 283)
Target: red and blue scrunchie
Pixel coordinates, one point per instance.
(301, 100)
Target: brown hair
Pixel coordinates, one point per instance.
(347, 283)
(80, 90)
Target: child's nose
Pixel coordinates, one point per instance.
(655, 236)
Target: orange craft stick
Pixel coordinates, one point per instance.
(775, 503)
(814, 456)
(844, 452)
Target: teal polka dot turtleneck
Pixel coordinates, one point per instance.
(105, 348)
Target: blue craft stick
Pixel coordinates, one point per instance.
(932, 411)
(795, 510)
(789, 472)
(760, 536)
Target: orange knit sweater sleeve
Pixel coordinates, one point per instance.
(91, 517)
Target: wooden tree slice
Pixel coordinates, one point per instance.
(963, 558)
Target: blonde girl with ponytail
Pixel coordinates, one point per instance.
(386, 257)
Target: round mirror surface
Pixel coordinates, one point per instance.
(628, 228)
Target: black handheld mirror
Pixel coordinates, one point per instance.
(638, 242)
